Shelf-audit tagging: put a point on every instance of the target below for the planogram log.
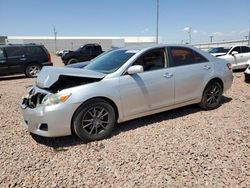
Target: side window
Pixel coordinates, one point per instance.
(2, 56)
(237, 49)
(14, 51)
(152, 60)
(184, 56)
(245, 49)
(96, 49)
(199, 58)
(87, 49)
(34, 51)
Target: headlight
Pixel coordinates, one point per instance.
(52, 99)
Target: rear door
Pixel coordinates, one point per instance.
(191, 71)
(16, 59)
(3, 63)
(35, 54)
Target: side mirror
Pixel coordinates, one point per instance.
(234, 53)
(135, 69)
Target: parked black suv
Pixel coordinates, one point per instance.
(23, 58)
(84, 53)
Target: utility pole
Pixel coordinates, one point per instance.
(157, 23)
(211, 39)
(249, 35)
(55, 34)
(189, 35)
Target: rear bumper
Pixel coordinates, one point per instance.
(228, 81)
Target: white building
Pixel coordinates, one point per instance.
(67, 42)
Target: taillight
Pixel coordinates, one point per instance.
(49, 58)
(229, 66)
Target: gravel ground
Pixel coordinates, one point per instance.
(186, 147)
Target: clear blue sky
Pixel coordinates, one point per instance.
(224, 19)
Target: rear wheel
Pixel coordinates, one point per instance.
(212, 95)
(72, 61)
(32, 70)
(94, 120)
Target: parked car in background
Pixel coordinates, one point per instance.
(218, 51)
(247, 72)
(237, 56)
(61, 52)
(84, 53)
(120, 85)
(85, 63)
(25, 59)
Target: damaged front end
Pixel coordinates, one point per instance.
(66, 81)
(34, 98)
(48, 108)
(51, 81)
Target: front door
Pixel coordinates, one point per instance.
(150, 90)
(16, 59)
(3, 63)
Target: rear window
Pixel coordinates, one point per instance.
(34, 51)
(245, 49)
(14, 51)
(185, 56)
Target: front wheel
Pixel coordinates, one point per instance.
(212, 95)
(72, 61)
(94, 120)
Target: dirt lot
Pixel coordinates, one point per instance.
(186, 147)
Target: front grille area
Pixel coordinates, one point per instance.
(34, 99)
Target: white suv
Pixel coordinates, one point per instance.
(237, 56)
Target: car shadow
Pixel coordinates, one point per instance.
(4, 78)
(62, 143)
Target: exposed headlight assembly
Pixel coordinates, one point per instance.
(52, 99)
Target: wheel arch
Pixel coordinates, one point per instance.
(108, 100)
(219, 80)
(72, 57)
(32, 62)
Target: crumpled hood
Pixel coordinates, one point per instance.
(49, 75)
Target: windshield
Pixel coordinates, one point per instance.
(78, 50)
(109, 62)
(218, 50)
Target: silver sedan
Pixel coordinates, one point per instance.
(121, 85)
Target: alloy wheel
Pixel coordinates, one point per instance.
(34, 70)
(213, 94)
(95, 120)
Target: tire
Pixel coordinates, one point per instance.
(72, 61)
(32, 70)
(212, 96)
(94, 120)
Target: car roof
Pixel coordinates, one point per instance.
(20, 45)
(152, 46)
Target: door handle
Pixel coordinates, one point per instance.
(2, 61)
(168, 75)
(23, 59)
(207, 67)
